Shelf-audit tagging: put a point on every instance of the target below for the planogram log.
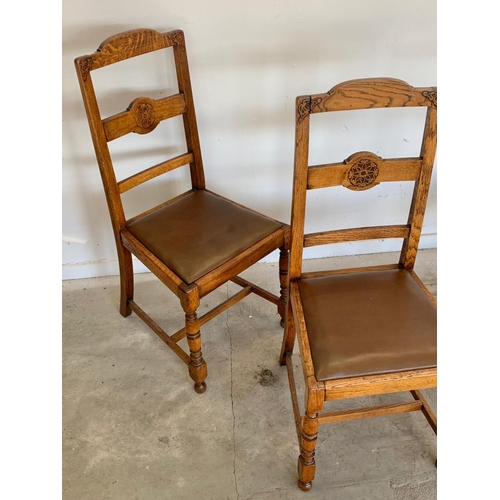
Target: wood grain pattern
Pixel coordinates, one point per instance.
(426, 410)
(356, 234)
(421, 191)
(161, 333)
(189, 117)
(388, 170)
(143, 115)
(261, 292)
(129, 44)
(350, 270)
(155, 171)
(299, 186)
(372, 93)
(300, 327)
(295, 401)
(372, 411)
(380, 384)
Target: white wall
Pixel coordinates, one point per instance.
(249, 59)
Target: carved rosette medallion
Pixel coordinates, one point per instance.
(432, 96)
(145, 115)
(143, 111)
(363, 173)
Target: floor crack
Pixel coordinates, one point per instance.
(232, 401)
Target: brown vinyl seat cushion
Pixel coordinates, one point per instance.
(368, 323)
(199, 232)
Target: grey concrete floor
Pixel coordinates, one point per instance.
(133, 427)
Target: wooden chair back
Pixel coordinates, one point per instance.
(362, 170)
(141, 116)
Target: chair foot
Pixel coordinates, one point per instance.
(305, 486)
(282, 322)
(200, 388)
(125, 310)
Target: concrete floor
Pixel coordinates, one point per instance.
(133, 427)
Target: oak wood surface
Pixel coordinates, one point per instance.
(143, 115)
(355, 234)
(155, 171)
(389, 170)
(372, 411)
(369, 93)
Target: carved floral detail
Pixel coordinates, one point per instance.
(177, 38)
(85, 66)
(363, 173)
(432, 96)
(304, 108)
(145, 115)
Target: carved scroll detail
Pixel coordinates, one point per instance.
(315, 102)
(304, 108)
(432, 96)
(362, 174)
(85, 66)
(177, 38)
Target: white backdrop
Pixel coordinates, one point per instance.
(249, 59)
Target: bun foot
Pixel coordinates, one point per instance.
(282, 323)
(200, 388)
(305, 486)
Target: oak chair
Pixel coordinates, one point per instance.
(195, 242)
(361, 331)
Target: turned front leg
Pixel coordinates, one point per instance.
(307, 462)
(197, 366)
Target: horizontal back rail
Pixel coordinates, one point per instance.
(356, 234)
(150, 173)
(372, 93)
(143, 115)
(363, 170)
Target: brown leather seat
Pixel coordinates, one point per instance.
(199, 232)
(368, 323)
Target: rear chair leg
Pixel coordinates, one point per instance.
(288, 335)
(126, 280)
(197, 366)
(283, 266)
